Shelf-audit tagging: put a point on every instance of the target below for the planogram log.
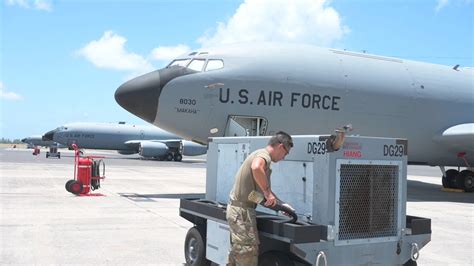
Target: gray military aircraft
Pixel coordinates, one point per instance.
(148, 141)
(257, 89)
(37, 140)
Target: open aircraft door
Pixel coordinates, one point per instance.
(246, 126)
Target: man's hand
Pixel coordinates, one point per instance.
(270, 199)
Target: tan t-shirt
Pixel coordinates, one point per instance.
(244, 180)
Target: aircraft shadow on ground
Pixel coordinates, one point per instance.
(420, 191)
(150, 197)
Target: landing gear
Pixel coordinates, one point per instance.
(459, 180)
(465, 179)
(449, 179)
(178, 157)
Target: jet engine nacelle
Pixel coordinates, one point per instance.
(152, 149)
(126, 152)
(192, 149)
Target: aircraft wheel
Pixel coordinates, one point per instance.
(444, 181)
(59, 155)
(76, 187)
(195, 248)
(451, 178)
(68, 185)
(274, 258)
(467, 180)
(47, 154)
(178, 157)
(169, 157)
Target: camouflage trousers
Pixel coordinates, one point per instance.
(243, 236)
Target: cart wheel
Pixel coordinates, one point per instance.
(274, 258)
(68, 185)
(169, 157)
(76, 187)
(178, 157)
(194, 248)
(451, 178)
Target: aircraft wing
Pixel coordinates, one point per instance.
(459, 137)
(136, 143)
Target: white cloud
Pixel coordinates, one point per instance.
(441, 4)
(306, 21)
(167, 53)
(109, 52)
(7, 95)
(45, 5)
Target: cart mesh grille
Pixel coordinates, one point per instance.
(368, 203)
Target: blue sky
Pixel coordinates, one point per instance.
(61, 61)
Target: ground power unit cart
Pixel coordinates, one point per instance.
(351, 205)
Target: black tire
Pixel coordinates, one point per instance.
(47, 154)
(195, 248)
(451, 178)
(169, 157)
(68, 185)
(274, 258)
(178, 157)
(444, 181)
(76, 187)
(59, 155)
(467, 180)
(410, 263)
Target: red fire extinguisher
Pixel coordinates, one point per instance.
(86, 172)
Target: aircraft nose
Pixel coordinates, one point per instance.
(140, 95)
(48, 135)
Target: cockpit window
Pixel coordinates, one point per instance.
(214, 64)
(197, 64)
(179, 62)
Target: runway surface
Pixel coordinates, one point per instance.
(137, 220)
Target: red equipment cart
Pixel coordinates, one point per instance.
(86, 173)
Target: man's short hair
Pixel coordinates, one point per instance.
(283, 138)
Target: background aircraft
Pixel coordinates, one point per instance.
(257, 89)
(37, 140)
(148, 141)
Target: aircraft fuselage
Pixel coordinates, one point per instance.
(308, 90)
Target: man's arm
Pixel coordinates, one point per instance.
(258, 171)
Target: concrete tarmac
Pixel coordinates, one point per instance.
(137, 221)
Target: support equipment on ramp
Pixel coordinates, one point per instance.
(351, 205)
(87, 174)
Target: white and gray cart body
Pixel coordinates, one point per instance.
(351, 203)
